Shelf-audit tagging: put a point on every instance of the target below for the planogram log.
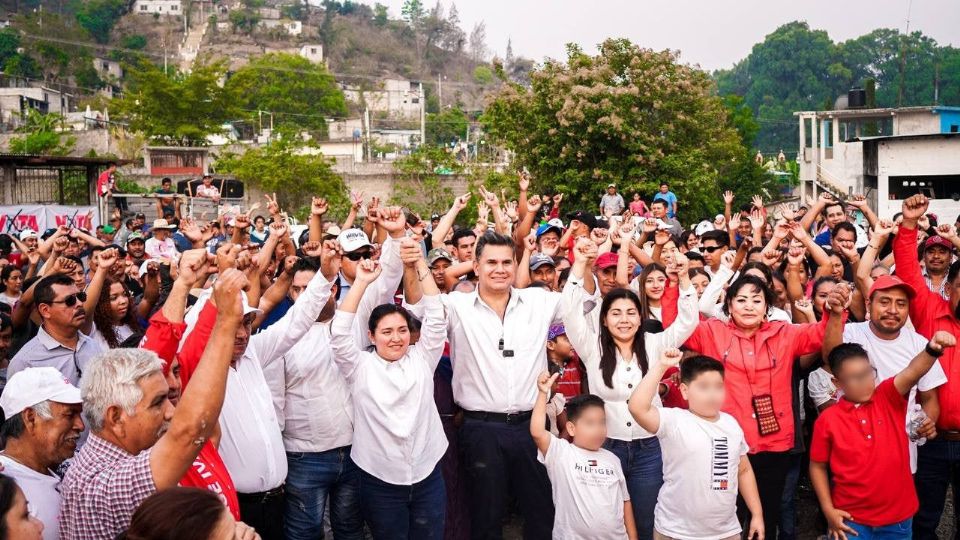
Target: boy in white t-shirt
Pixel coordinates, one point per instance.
(589, 488)
(704, 454)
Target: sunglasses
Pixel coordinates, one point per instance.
(71, 300)
(710, 249)
(359, 255)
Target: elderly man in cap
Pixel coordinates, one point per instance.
(161, 246)
(611, 204)
(439, 259)
(548, 236)
(937, 256)
(42, 425)
(139, 443)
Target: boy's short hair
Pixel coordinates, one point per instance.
(843, 352)
(577, 405)
(720, 237)
(693, 367)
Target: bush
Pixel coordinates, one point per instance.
(482, 75)
(136, 41)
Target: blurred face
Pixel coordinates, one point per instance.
(836, 264)
(658, 209)
(936, 259)
(821, 294)
(695, 263)
(664, 188)
(857, 378)
(745, 229)
(243, 336)
(549, 239)
(889, 310)
(561, 347)
(30, 242)
(152, 414)
(636, 196)
(878, 271)
(73, 248)
(700, 283)
(348, 266)
(58, 436)
(607, 279)
(20, 525)
(59, 314)
(834, 215)
(545, 273)
(781, 291)
(844, 239)
(654, 285)
(207, 181)
(705, 393)
(136, 249)
(161, 234)
(712, 252)
(300, 281)
(464, 249)
(119, 301)
(165, 185)
(748, 307)
(6, 338)
(693, 241)
(173, 382)
(495, 268)
(15, 282)
(590, 429)
(622, 319)
(437, 269)
(669, 253)
(611, 190)
(391, 337)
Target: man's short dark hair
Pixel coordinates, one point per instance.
(661, 202)
(462, 233)
(43, 292)
(844, 226)
(664, 184)
(693, 367)
(577, 405)
(694, 256)
(166, 180)
(305, 264)
(843, 352)
(492, 239)
(834, 202)
(720, 237)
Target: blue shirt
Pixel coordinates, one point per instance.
(671, 201)
(823, 239)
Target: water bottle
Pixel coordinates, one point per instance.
(917, 417)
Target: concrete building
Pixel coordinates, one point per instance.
(14, 102)
(396, 97)
(108, 70)
(292, 28)
(312, 52)
(886, 154)
(162, 7)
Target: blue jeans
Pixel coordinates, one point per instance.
(311, 478)
(938, 464)
(400, 512)
(642, 464)
(788, 503)
(896, 531)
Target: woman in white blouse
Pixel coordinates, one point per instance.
(398, 439)
(615, 361)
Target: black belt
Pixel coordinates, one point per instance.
(262, 496)
(503, 418)
(951, 435)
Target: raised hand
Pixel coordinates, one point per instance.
(279, 228)
(757, 201)
(805, 306)
(857, 201)
(661, 237)
(649, 225)
(107, 258)
(914, 207)
(756, 219)
(947, 231)
(511, 211)
(318, 206)
(60, 244)
(530, 242)
(796, 254)
(461, 202)
(483, 211)
(545, 382)
(771, 258)
(356, 200)
(272, 206)
(373, 210)
(367, 271)
(825, 198)
(941, 340)
(33, 257)
(681, 263)
(241, 221)
(798, 231)
(670, 356)
(728, 258)
(585, 249)
(330, 259)
(312, 249)
(599, 236)
(226, 294)
(227, 255)
(728, 197)
(410, 252)
(489, 197)
(786, 212)
(557, 199)
(393, 220)
(839, 299)
(533, 204)
(524, 182)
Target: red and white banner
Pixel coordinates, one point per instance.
(14, 219)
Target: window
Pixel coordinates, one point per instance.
(143, 7)
(313, 50)
(946, 186)
(174, 7)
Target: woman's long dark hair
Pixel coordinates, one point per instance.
(608, 348)
(8, 492)
(177, 513)
(645, 312)
(104, 321)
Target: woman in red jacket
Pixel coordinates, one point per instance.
(762, 363)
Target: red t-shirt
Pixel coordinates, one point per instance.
(104, 183)
(868, 453)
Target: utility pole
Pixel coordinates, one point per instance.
(366, 117)
(423, 116)
(440, 91)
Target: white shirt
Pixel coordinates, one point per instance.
(701, 466)
(123, 332)
(483, 378)
(891, 356)
(313, 399)
(627, 375)
(251, 445)
(42, 494)
(397, 433)
(589, 490)
(821, 387)
(155, 249)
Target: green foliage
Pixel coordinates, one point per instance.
(741, 116)
(482, 75)
(412, 11)
(380, 15)
(135, 41)
(177, 109)
(284, 168)
(87, 77)
(99, 16)
(294, 10)
(21, 65)
(9, 43)
(41, 136)
(244, 20)
(446, 127)
(629, 116)
(419, 186)
(299, 92)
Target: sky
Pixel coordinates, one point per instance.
(712, 33)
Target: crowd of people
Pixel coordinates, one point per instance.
(618, 375)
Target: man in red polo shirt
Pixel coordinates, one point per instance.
(862, 441)
(930, 313)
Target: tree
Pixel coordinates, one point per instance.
(41, 135)
(478, 42)
(380, 15)
(412, 12)
(420, 185)
(177, 109)
(294, 172)
(629, 116)
(446, 127)
(454, 38)
(99, 16)
(298, 92)
(244, 20)
(482, 75)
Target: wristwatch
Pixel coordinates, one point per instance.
(934, 352)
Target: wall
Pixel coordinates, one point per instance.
(916, 123)
(96, 140)
(934, 156)
(949, 121)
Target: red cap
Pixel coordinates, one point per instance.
(606, 260)
(937, 240)
(883, 283)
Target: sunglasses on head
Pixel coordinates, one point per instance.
(71, 300)
(358, 255)
(711, 249)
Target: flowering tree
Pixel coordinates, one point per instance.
(629, 116)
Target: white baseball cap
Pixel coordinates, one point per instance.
(35, 385)
(27, 233)
(703, 227)
(352, 240)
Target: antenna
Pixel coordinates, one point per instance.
(903, 57)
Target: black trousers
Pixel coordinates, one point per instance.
(501, 458)
(263, 512)
(770, 469)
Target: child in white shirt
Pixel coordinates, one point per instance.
(704, 454)
(589, 488)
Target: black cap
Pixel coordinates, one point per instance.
(584, 217)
